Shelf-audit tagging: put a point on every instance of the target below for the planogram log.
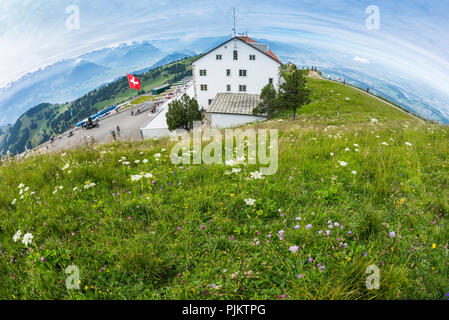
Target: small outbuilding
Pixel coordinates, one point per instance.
(233, 109)
(160, 89)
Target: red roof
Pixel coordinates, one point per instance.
(269, 52)
(246, 39)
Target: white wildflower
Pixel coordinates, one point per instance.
(250, 202)
(17, 236)
(256, 175)
(136, 177)
(27, 239)
(89, 185)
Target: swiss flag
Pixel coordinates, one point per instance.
(134, 83)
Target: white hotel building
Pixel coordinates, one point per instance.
(227, 82)
(240, 65)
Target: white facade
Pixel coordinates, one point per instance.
(210, 75)
(222, 120)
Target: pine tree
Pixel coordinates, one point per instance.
(294, 92)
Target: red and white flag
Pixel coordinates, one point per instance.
(134, 83)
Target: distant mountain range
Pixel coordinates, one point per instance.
(70, 79)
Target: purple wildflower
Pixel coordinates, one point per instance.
(294, 249)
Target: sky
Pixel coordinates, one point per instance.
(411, 38)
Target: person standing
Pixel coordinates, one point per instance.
(118, 131)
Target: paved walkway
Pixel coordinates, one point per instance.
(129, 130)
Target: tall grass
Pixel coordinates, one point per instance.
(144, 239)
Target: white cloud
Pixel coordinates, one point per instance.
(362, 60)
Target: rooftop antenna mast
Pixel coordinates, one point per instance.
(234, 17)
(234, 30)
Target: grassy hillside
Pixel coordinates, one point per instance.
(187, 232)
(38, 124)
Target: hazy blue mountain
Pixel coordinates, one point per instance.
(84, 70)
(172, 57)
(69, 79)
(200, 45)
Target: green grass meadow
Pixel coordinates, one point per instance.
(367, 187)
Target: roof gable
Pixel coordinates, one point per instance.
(247, 41)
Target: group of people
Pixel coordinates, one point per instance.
(138, 111)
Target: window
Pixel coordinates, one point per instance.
(228, 88)
(252, 57)
(203, 73)
(236, 55)
(204, 87)
(242, 73)
(228, 72)
(210, 101)
(218, 56)
(270, 81)
(242, 88)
